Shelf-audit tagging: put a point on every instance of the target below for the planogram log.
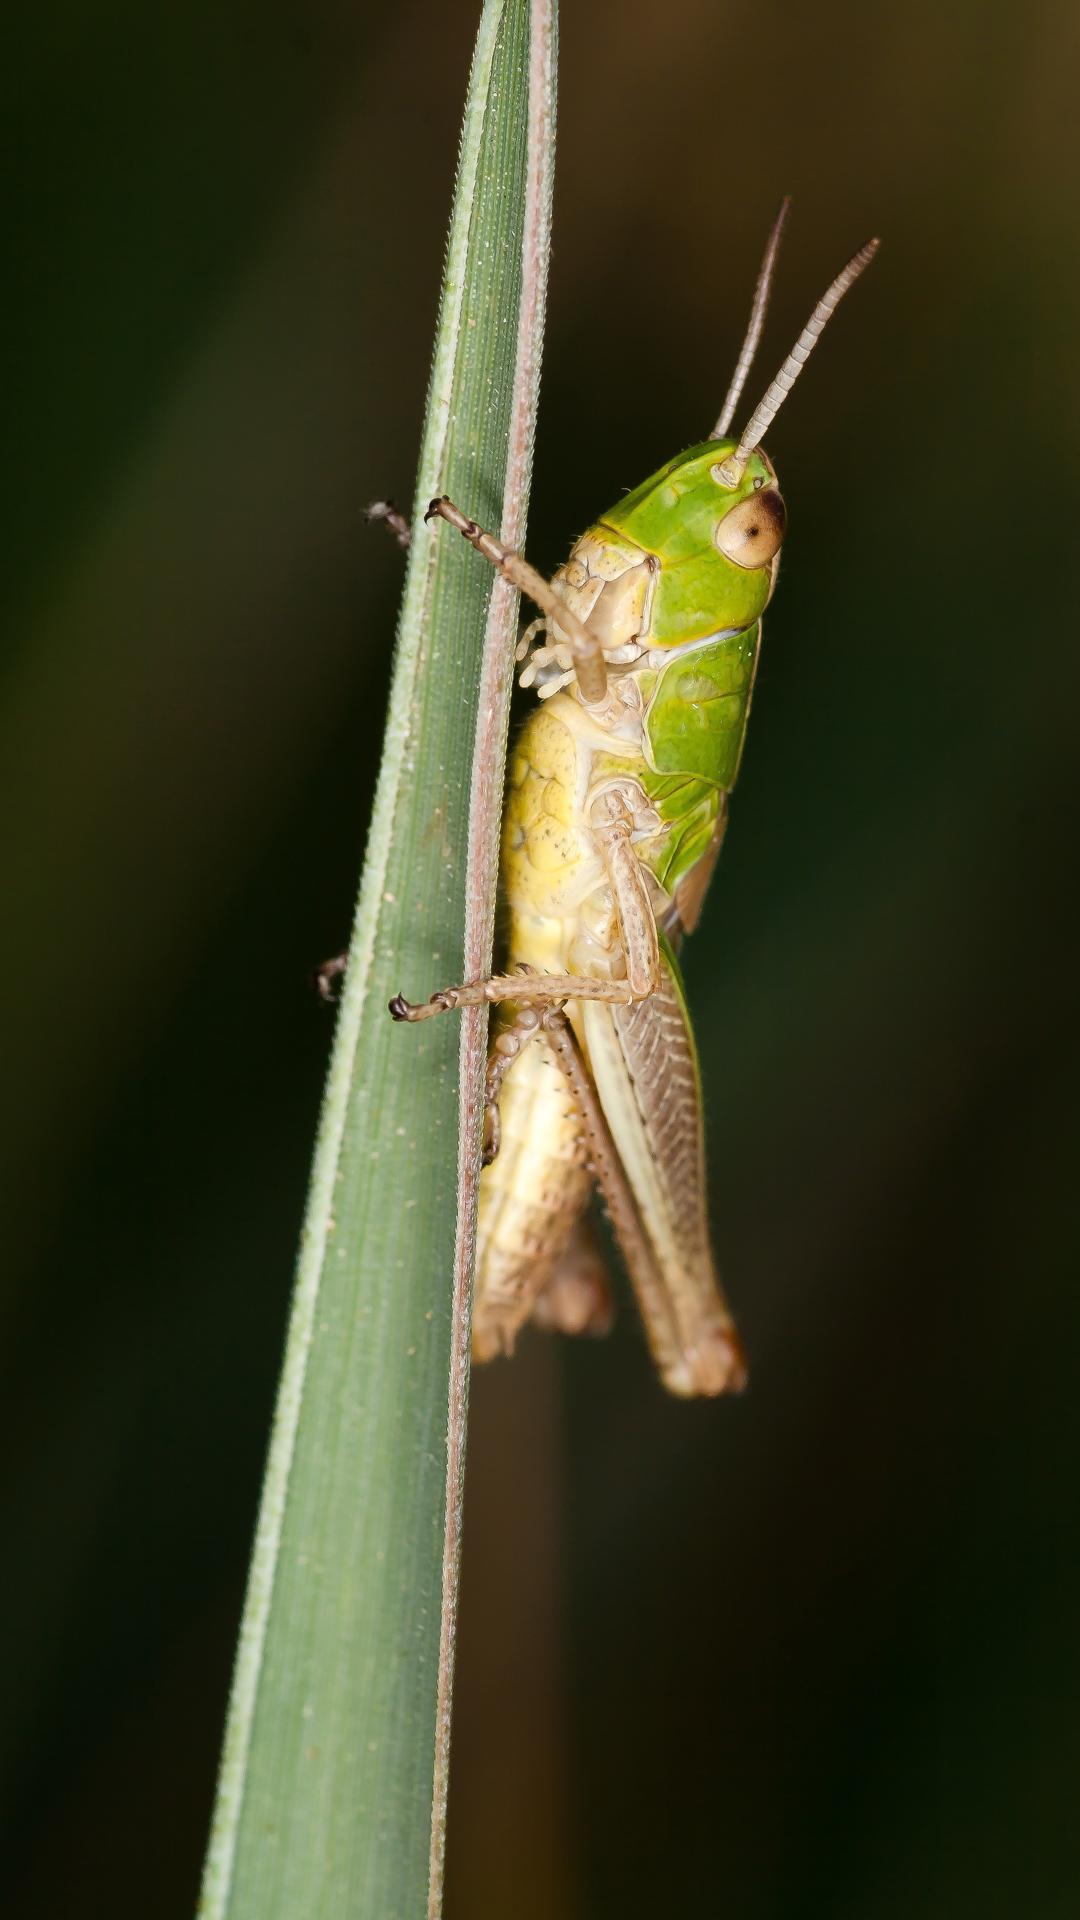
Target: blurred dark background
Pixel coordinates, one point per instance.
(812, 1653)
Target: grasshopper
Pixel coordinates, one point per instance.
(643, 658)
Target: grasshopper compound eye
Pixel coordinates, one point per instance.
(751, 533)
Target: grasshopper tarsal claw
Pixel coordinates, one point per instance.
(586, 647)
(402, 1009)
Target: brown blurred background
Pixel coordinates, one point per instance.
(813, 1653)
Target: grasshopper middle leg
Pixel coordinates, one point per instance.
(636, 928)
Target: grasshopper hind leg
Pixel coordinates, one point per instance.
(577, 1299)
(535, 1185)
(577, 1296)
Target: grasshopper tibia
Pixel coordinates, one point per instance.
(504, 1052)
(537, 989)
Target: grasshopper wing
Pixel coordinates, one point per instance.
(644, 1064)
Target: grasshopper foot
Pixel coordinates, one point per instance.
(325, 978)
(394, 521)
(443, 508)
(713, 1364)
(402, 1009)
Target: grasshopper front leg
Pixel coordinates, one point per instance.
(590, 667)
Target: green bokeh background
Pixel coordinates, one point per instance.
(812, 1653)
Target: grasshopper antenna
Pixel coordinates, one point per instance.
(757, 320)
(767, 409)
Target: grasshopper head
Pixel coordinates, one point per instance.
(715, 531)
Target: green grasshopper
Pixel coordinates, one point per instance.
(643, 658)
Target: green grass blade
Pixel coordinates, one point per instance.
(331, 1798)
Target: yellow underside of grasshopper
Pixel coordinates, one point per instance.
(534, 1191)
(560, 919)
